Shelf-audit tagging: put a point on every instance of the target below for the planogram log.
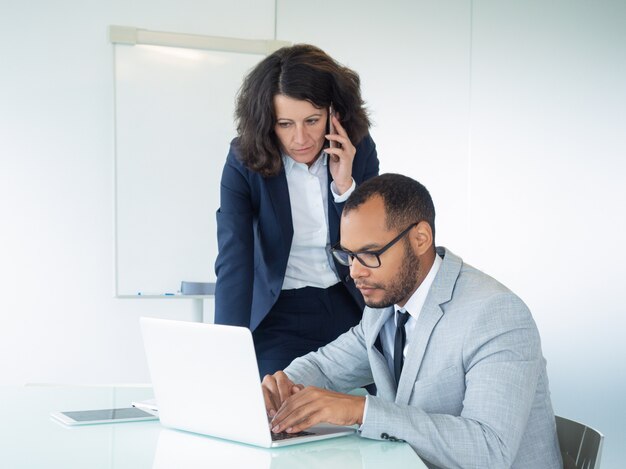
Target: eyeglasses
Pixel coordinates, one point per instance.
(369, 259)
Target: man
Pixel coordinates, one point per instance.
(463, 380)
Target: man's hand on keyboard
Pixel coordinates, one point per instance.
(277, 388)
(311, 405)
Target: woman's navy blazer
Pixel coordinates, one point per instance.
(254, 233)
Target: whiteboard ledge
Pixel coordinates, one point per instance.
(133, 36)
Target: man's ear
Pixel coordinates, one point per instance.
(422, 238)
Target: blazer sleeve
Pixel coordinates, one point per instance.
(502, 365)
(341, 365)
(367, 152)
(234, 266)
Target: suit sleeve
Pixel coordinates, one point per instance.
(371, 159)
(234, 266)
(502, 364)
(341, 365)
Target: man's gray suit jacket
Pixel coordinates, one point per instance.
(473, 391)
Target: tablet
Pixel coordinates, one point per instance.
(87, 417)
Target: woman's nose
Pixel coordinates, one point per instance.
(300, 135)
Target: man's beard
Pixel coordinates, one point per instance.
(402, 285)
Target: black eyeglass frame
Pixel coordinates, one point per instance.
(338, 252)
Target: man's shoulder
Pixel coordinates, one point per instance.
(464, 278)
(471, 288)
(473, 280)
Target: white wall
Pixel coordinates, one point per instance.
(548, 173)
(59, 320)
(512, 113)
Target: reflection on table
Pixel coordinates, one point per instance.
(29, 438)
(189, 451)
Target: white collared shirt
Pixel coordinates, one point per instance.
(414, 307)
(310, 264)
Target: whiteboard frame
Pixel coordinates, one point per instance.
(132, 36)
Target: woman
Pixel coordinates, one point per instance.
(283, 186)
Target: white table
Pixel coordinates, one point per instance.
(29, 438)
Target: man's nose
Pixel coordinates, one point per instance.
(357, 269)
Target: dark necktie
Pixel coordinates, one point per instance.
(398, 346)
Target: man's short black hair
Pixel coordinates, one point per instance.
(406, 200)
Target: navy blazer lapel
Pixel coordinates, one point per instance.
(333, 215)
(440, 293)
(279, 195)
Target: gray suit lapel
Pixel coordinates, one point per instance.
(440, 293)
(385, 382)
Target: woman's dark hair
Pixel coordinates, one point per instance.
(300, 72)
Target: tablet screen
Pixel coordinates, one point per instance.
(107, 414)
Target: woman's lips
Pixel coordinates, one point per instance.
(301, 150)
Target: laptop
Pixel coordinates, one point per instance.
(206, 381)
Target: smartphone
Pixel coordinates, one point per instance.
(330, 128)
(88, 417)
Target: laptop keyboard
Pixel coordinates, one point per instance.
(286, 436)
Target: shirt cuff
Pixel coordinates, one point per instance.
(343, 197)
(364, 413)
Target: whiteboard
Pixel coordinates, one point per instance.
(173, 125)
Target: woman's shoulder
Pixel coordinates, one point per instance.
(234, 167)
(236, 171)
(365, 163)
(366, 144)
(234, 154)
(234, 160)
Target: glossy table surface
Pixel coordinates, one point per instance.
(30, 438)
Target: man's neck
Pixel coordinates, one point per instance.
(426, 266)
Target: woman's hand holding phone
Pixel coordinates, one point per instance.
(340, 154)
